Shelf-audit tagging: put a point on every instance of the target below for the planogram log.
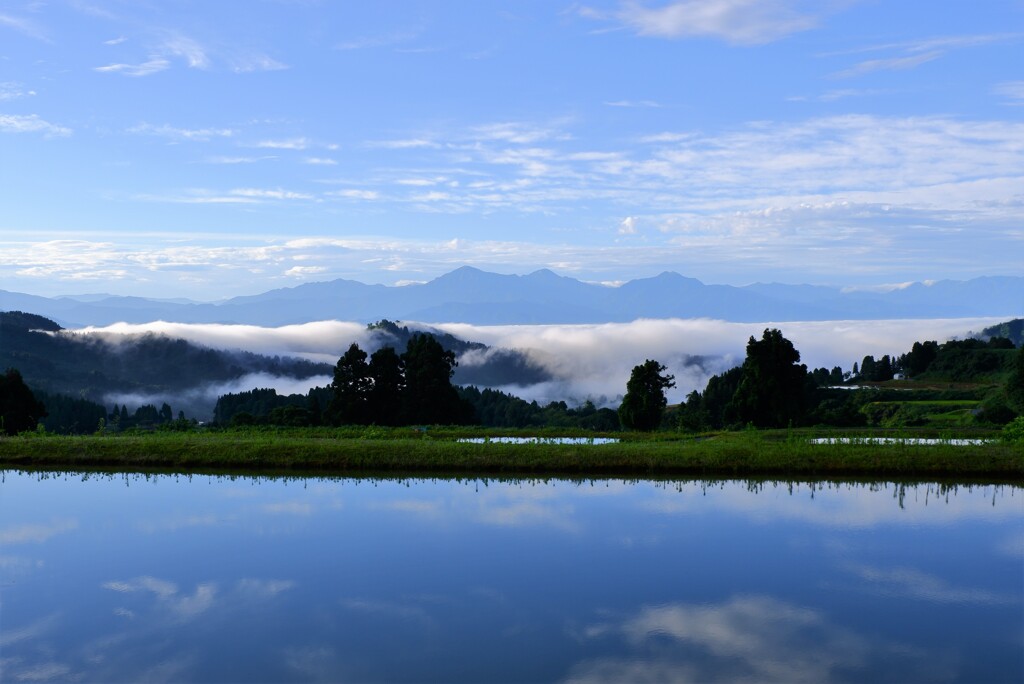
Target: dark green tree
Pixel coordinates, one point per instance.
(774, 388)
(19, 408)
(351, 388)
(1015, 384)
(884, 369)
(867, 368)
(70, 415)
(692, 415)
(645, 401)
(387, 375)
(316, 413)
(429, 397)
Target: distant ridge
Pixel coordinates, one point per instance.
(470, 295)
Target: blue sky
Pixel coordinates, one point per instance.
(208, 149)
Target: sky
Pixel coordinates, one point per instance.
(212, 149)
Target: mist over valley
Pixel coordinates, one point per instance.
(571, 363)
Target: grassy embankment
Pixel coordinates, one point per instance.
(381, 450)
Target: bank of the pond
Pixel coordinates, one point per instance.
(731, 454)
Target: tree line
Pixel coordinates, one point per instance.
(770, 389)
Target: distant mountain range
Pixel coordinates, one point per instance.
(469, 295)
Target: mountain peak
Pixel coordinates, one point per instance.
(462, 273)
(544, 274)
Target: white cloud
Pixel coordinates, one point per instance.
(929, 172)
(304, 271)
(14, 123)
(277, 194)
(319, 161)
(742, 22)
(913, 53)
(904, 582)
(596, 360)
(755, 638)
(628, 226)
(931, 44)
(403, 144)
(836, 95)
(1013, 91)
(380, 40)
(24, 26)
(167, 131)
(356, 194)
(250, 63)
(159, 587)
(647, 104)
(432, 196)
(667, 137)
(284, 144)
(191, 51)
(35, 533)
(264, 589)
(152, 66)
(319, 341)
(238, 160)
(174, 47)
(585, 361)
(890, 64)
(515, 132)
(184, 607)
(233, 196)
(202, 197)
(13, 91)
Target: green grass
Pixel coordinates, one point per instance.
(946, 413)
(403, 450)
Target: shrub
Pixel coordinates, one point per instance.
(1013, 431)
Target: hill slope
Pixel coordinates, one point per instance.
(53, 360)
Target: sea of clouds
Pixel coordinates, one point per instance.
(591, 361)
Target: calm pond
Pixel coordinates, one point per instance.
(118, 578)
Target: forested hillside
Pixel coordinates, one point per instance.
(88, 366)
(953, 384)
(1011, 330)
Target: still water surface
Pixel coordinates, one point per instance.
(164, 578)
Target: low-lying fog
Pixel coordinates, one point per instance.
(587, 361)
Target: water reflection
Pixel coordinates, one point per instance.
(170, 578)
(754, 638)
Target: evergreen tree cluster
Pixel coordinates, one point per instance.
(391, 389)
(495, 408)
(71, 415)
(147, 417)
(644, 402)
(877, 371)
(19, 409)
(771, 389)
(266, 406)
